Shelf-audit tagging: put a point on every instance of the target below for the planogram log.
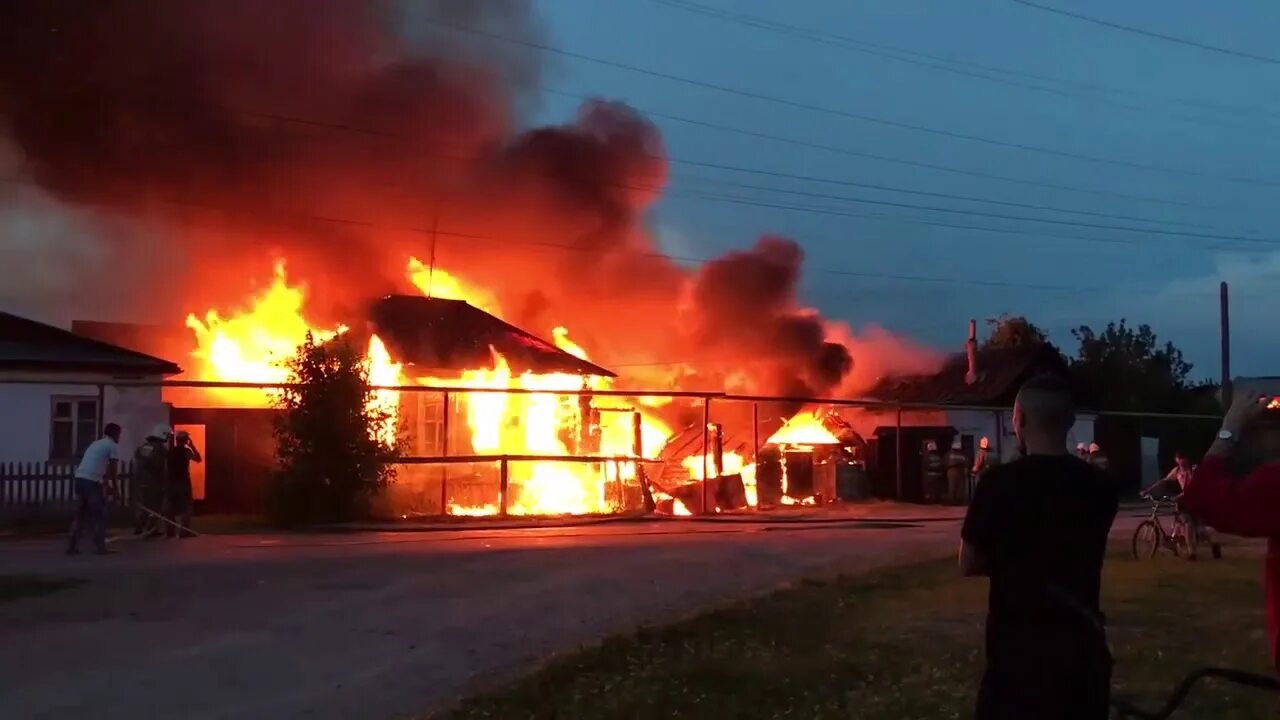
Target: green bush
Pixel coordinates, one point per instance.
(331, 458)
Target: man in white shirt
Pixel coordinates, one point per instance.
(97, 468)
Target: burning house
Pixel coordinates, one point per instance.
(257, 139)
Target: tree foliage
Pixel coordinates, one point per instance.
(330, 455)
(1125, 368)
(1012, 331)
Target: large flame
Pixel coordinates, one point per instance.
(437, 282)
(384, 372)
(803, 429)
(253, 345)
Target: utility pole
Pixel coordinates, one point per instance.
(1225, 308)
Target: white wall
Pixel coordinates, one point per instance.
(1081, 432)
(25, 413)
(136, 410)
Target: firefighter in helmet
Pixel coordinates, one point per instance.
(1097, 458)
(150, 463)
(986, 458)
(932, 465)
(957, 473)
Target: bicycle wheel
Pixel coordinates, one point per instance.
(1146, 540)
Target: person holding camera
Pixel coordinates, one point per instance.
(1037, 527)
(1242, 504)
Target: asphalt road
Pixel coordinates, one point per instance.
(380, 625)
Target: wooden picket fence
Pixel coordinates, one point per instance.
(26, 486)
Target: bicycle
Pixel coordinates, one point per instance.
(1150, 535)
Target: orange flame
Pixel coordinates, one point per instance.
(803, 429)
(253, 345)
(733, 464)
(436, 282)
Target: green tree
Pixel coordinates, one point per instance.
(331, 454)
(1124, 368)
(1011, 331)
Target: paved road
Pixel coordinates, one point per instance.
(380, 625)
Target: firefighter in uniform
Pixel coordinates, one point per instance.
(933, 473)
(957, 474)
(178, 489)
(1097, 458)
(150, 467)
(985, 458)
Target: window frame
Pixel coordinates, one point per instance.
(75, 421)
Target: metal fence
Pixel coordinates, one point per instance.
(447, 470)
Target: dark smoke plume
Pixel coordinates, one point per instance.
(198, 138)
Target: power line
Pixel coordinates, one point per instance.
(1001, 216)
(1016, 72)
(926, 193)
(387, 135)
(901, 161)
(1150, 33)
(738, 92)
(355, 222)
(929, 61)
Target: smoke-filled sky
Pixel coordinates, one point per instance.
(1169, 282)
(159, 163)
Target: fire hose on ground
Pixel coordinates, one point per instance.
(180, 527)
(1125, 709)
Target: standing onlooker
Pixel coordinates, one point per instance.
(1038, 528)
(150, 473)
(178, 494)
(96, 469)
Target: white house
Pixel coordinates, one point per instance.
(58, 389)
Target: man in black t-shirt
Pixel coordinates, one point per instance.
(1038, 528)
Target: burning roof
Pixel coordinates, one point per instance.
(436, 333)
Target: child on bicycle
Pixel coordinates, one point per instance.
(1172, 486)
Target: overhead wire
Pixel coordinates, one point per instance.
(449, 234)
(964, 62)
(1151, 33)
(899, 55)
(847, 114)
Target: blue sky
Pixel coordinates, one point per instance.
(1211, 115)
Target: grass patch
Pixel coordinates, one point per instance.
(14, 587)
(899, 643)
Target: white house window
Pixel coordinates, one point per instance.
(74, 424)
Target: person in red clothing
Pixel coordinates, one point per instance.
(1242, 504)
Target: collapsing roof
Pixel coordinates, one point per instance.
(437, 333)
(30, 345)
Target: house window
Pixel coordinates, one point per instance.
(430, 424)
(74, 424)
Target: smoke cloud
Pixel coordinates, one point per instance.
(201, 138)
